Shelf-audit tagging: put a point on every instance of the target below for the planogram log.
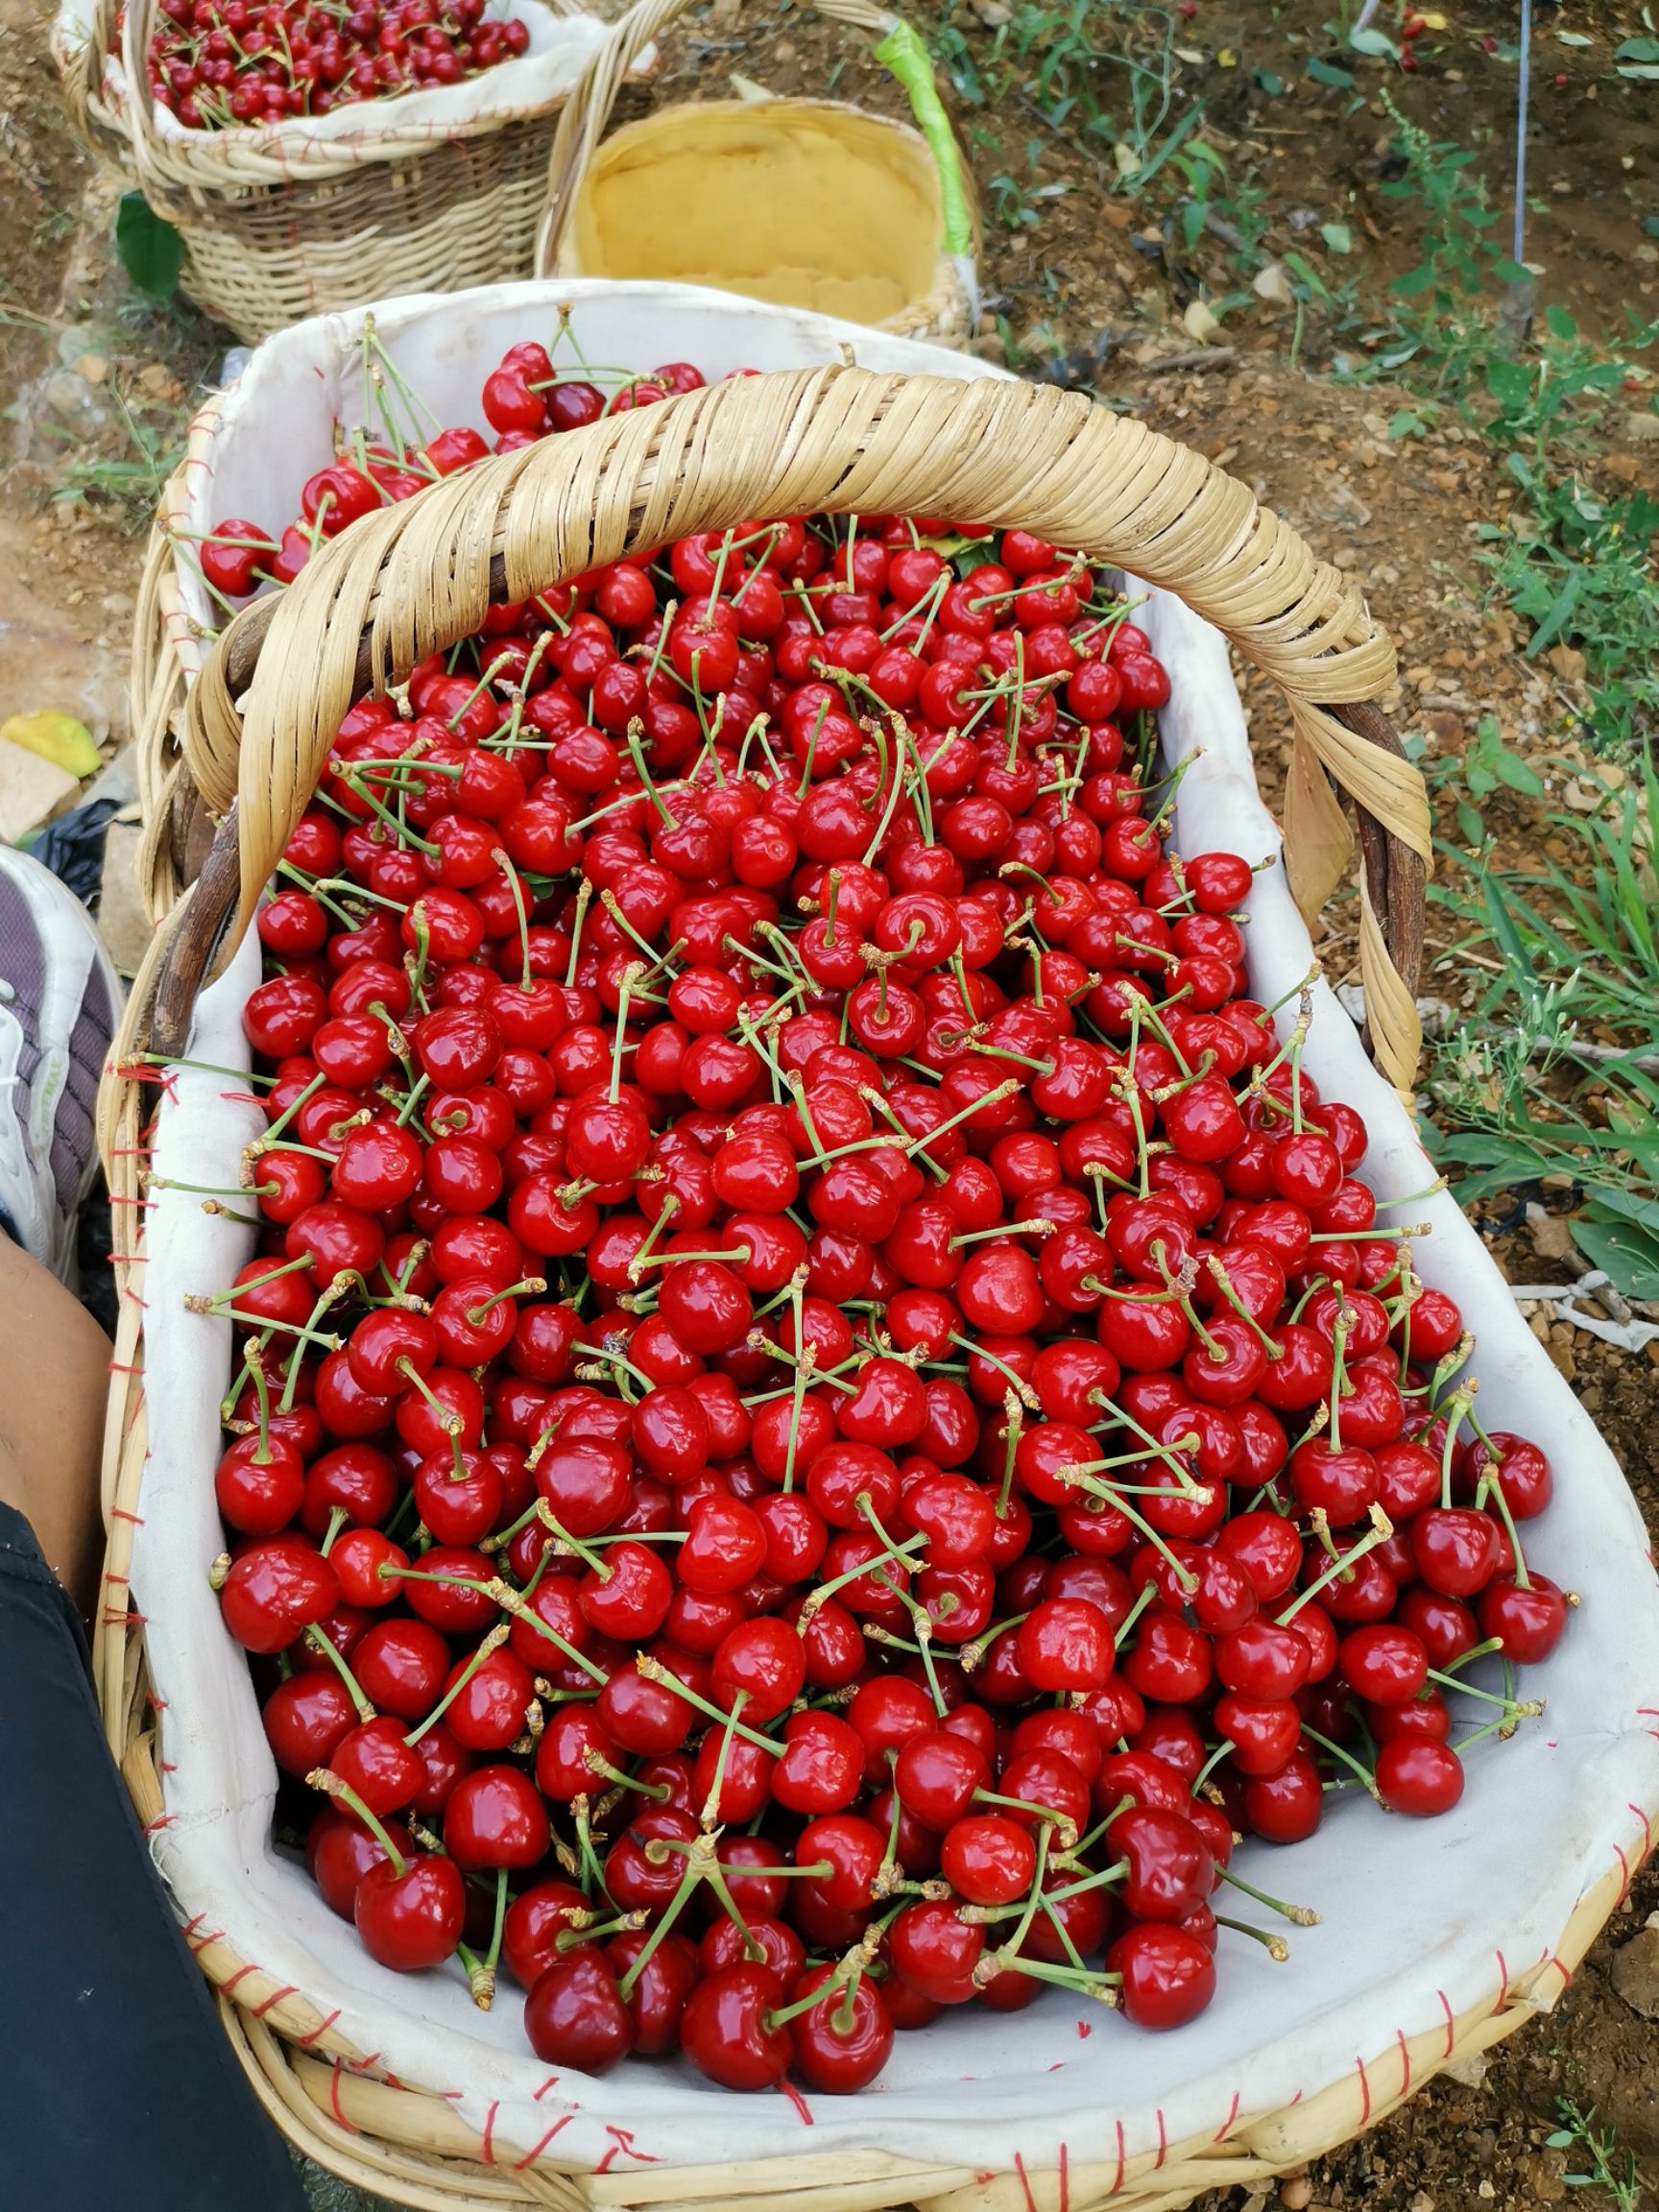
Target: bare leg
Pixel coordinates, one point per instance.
(54, 1378)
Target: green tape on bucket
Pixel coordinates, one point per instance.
(902, 52)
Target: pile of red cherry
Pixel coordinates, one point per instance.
(823, 1416)
(216, 65)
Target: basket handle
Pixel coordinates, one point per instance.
(417, 577)
(583, 118)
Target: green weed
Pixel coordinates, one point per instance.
(132, 480)
(1577, 565)
(1553, 1068)
(1610, 2166)
(1102, 79)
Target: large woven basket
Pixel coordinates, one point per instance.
(418, 577)
(807, 203)
(269, 239)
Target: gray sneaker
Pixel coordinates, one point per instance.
(60, 1003)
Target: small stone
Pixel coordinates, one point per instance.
(93, 367)
(122, 921)
(1641, 428)
(1470, 2069)
(1272, 283)
(158, 382)
(1636, 1970)
(74, 402)
(1422, 2201)
(1296, 2192)
(32, 790)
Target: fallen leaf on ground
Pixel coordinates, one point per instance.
(60, 738)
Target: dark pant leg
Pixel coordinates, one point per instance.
(117, 2086)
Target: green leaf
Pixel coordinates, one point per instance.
(152, 252)
(1338, 236)
(1561, 325)
(1519, 776)
(1414, 281)
(1628, 1256)
(1637, 50)
(1469, 821)
(1576, 39)
(1404, 423)
(1269, 84)
(1372, 41)
(1509, 383)
(1560, 2139)
(1327, 73)
(1625, 1206)
(1558, 617)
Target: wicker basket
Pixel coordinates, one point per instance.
(420, 576)
(432, 193)
(804, 202)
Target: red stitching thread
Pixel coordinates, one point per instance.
(530, 2158)
(241, 1971)
(1019, 2169)
(1624, 1869)
(1065, 2183)
(288, 1989)
(334, 2100)
(625, 2142)
(1162, 2140)
(550, 2082)
(1503, 1992)
(162, 1820)
(1445, 2007)
(312, 2034)
(1364, 2092)
(120, 1513)
(1117, 2178)
(1232, 2115)
(201, 1943)
(487, 2150)
(1405, 2063)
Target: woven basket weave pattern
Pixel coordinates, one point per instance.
(371, 218)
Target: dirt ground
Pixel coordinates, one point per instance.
(89, 372)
